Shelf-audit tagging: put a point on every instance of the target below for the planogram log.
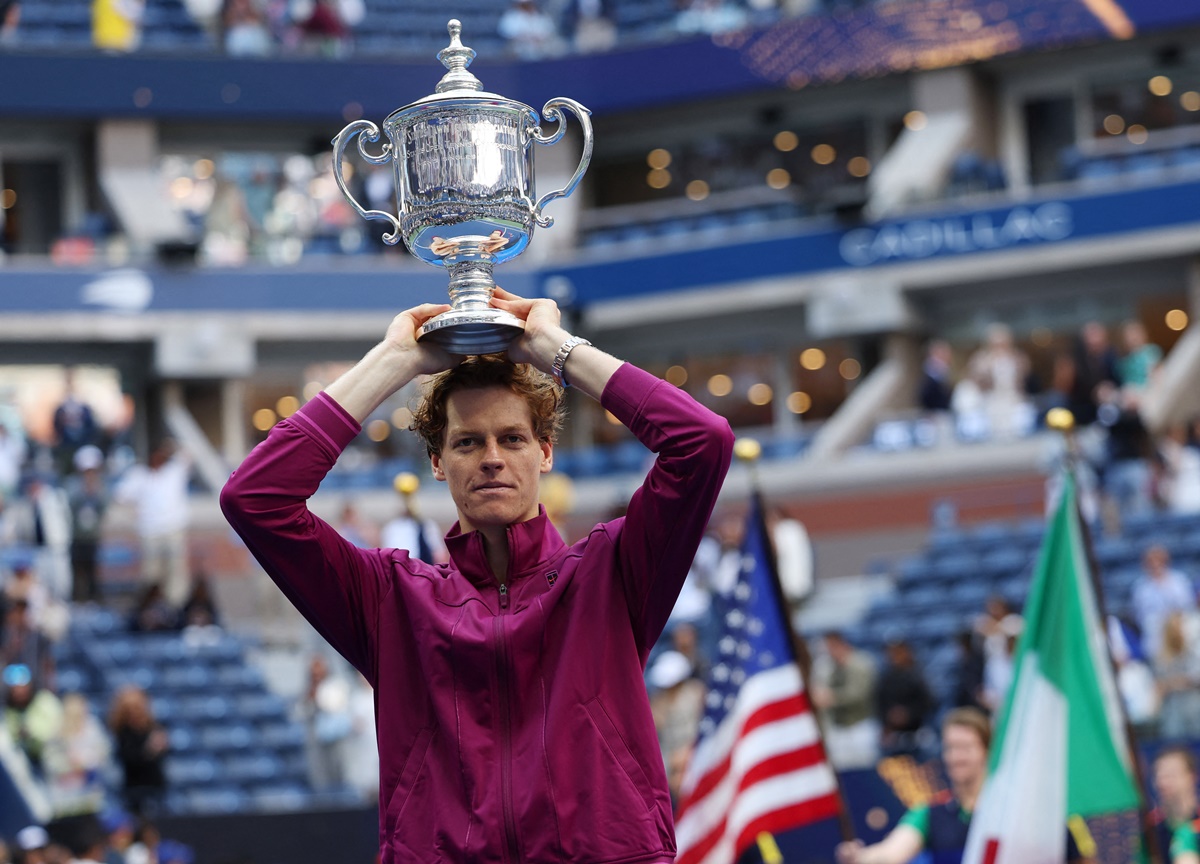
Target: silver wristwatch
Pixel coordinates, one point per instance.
(560, 359)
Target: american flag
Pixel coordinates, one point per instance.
(759, 764)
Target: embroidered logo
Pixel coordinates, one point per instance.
(552, 577)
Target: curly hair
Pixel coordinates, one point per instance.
(543, 394)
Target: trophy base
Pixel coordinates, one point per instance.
(487, 331)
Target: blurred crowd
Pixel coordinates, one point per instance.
(530, 29)
(996, 394)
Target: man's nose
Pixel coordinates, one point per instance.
(493, 457)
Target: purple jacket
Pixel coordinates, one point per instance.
(513, 721)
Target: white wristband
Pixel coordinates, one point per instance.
(560, 359)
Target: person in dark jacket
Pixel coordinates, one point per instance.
(903, 701)
(513, 718)
(141, 746)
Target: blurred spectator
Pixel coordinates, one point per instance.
(1000, 628)
(10, 19)
(1158, 592)
(323, 30)
(5, 852)
(117, 24)
(75, 760)
(937, 383)
(119, 826)
(159, 490)
(710, 16)
(87, 844)
(843, 689)
(355, 529)
(200, 608)
(1175, 818)
(999, 370)
(419, 536)
(530, 32)
(23, 645)
(141, 745)
(591, 22)
(1129, 450)
(1180, 482)
(88, 498)
(903, 702)
(49, 532)
(362, 747)
(24, 585)
(967, 688)
(32, 714)
(245, 29)
(74, 423)
(33, 841)
(793, 556)
(326, 711)
(1135, 679)
(1095, 364)
(153, 613)
(1141, 357)
(13, 451)
(677, 704)
(1177, 666)
(685, 639)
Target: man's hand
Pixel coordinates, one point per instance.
(391, 364)
(543, 328)
(401, 338)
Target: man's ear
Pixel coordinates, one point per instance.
(547, 456)
(435, 463)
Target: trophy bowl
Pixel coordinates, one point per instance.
(462, 162)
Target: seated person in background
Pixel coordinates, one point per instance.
(1176, 818)
(153, 613)
(940, 827)
(32, 714)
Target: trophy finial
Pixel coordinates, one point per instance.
(456, 57)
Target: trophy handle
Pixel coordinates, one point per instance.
(553, 112)
(370, 132)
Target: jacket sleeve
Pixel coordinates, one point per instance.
(334, 584)
(669, 512)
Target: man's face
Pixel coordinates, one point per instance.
(1173, 781)
(491, 458)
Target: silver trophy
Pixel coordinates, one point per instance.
(463, 163)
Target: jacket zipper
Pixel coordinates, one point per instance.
(502, 664)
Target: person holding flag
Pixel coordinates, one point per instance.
(940, 827)
(1177, 819)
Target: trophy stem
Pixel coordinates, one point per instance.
(471, 285)
(473, 325)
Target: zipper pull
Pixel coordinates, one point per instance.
(503, 596)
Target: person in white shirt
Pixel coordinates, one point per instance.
(159, 490)
(1159, 591)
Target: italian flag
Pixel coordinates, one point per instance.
(1059, 747)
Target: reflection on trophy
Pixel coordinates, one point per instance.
(463, 167)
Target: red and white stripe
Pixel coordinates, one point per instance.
(764, 769)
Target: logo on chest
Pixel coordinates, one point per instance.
(552, 577)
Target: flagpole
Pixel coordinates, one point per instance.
(748, 450)
(1062, 420)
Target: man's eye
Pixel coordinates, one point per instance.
(464, 442)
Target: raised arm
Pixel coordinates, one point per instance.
(335, 585)
(667, 516)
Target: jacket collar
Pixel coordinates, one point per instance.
(530, 544)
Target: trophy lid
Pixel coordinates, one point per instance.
(456, 57)
(458, 86)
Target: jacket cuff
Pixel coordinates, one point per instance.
(328, 421)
